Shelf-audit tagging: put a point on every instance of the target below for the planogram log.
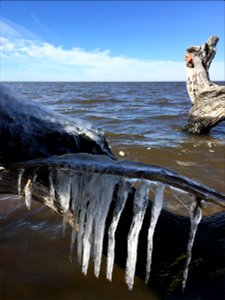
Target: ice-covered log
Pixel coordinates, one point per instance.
(101, 164)
(208, 98)
(108, 203)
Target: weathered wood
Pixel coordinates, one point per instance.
(208, 98)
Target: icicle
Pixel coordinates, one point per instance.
(64, 222)
(92, 208)
(65, 196)
(51, 187)
(60, 192)
(20, 180)
(63, 188)
(155, 212)
(140, 205)
(85, 197)
(195, 216)
(28, 193)
(76, 189)
(72, 242)
(124, 189)
(107, 185)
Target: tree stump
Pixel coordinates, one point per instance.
(208, 98)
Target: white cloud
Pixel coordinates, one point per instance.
(25, 59)
(10, 29)
(92, 65)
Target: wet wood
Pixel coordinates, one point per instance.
(101, 164)
(208, 98)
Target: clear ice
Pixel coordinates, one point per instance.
(139, 208)
(155, 212)
(28, 193)
(195, 217)
(20, 175)
(124, 188)
(60, 188)
(76, 189)
(91, 210)
(107, 185)
(89, 196)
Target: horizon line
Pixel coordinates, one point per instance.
(92, 81)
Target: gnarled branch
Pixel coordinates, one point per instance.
(208, 99)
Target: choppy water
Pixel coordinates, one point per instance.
(144, 122)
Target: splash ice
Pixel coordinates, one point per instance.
(76, 189)
(28, 193)
(88, 197)
(156, 209)
(124, 189)
(91, 197)
(195, 217)
(91, 211)
(20, 175)
(28, 190)
(139, 208)
(107, 185)
(60, 189)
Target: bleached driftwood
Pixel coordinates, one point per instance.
(208, 98)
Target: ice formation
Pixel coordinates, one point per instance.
(124, 189)
(140, 205)
(19, 181)
(88, 196)
(195, 217)
(28, 193)
(156, 209)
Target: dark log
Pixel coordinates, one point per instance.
(208, 98)
(28, 131)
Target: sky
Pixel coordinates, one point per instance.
(106, 40)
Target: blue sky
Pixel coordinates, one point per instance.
(106, 40)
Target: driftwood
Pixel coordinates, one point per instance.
(208, 98)
(29, 132)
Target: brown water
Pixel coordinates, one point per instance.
(144, 123)
(35, 260)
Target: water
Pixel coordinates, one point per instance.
(145, 121)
